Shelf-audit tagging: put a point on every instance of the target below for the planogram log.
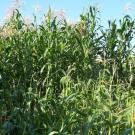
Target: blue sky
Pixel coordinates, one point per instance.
(110, 9)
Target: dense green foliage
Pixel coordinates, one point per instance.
(59, 79)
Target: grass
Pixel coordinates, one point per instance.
(56, 78)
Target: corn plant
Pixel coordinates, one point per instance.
(56, 78)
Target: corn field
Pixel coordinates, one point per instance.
(62, 79)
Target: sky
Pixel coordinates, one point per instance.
(109, 9)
